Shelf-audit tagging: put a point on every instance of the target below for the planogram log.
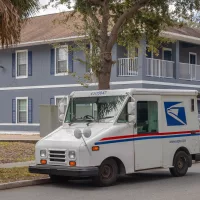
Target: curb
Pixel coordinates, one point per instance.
(25, 183)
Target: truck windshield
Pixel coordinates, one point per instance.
(90, 109)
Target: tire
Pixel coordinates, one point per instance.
(108, 172)
(55, 178)
(181, 164)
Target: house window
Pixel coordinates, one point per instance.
(149, 53)
(167, 54)
(22, 110)
(22, 64)
(193, 58)
(61, 61)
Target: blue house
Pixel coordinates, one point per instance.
(34, 72)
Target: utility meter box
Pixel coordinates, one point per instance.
(48, 119)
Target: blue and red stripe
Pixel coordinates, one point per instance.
(147, 136)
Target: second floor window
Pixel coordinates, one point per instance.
(22, 64)
(61, 61)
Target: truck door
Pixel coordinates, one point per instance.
(147, 145)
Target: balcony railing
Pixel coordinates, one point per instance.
(128, 66)
(189, 71)
(160, 68)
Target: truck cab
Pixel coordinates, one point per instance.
(112, 132)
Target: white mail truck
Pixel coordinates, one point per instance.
(108, 133)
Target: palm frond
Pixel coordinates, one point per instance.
(12, 15)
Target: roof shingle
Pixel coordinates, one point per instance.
(42, 28)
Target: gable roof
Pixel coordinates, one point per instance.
(41, 30)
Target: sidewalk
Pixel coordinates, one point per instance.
(18, 164)
(10, 137)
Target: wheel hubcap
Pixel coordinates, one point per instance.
(181, 163)
(107, 171)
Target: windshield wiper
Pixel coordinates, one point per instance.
(107, 117)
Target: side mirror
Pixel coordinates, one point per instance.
(61, 108)
(131, 108)
(61, 117)
(132, 119)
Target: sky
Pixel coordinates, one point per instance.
(50, 10)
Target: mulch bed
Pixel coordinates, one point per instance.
(18, 174)
(16, 152)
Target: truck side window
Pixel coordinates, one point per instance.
(123, 118)
(147, 116)
(198, 106)
(192, 105)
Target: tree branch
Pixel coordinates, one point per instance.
(120, 21)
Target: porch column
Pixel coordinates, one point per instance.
(142, 63)
(175, 57)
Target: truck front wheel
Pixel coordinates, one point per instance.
(107, 173)
(181, 164)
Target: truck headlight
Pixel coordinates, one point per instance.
(72, 155)
(43, 153)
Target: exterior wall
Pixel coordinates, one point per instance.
(184, 52)
(160, 55)
(41, 65)
(39, 97)
(43, 86)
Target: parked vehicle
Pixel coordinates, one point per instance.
(108, 133)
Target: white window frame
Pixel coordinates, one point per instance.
(21, 98)
(166, 49)
(63, 73)
(60, 96)
(16, 64)
(195, 54)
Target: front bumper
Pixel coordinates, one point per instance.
(64, 170)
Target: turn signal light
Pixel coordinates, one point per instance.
(43, 162)
(95, 148)
(72, 163)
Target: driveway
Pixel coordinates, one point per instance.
(155, 185)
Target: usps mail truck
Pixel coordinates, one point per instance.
(108, 133)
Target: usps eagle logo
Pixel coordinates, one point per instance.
(175, 114)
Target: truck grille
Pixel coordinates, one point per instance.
(57, 156)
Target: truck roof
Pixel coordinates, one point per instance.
(90, 93)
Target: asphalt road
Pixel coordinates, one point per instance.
(156, 185)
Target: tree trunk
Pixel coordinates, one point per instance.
(104, 76)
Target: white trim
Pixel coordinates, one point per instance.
(95, 84)
(16, 64)
(19, 133)
(163, 50)
(21, 98)
(195, 54)
(55, 65)
(180, 37)
(50, 41)
(19, 124)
